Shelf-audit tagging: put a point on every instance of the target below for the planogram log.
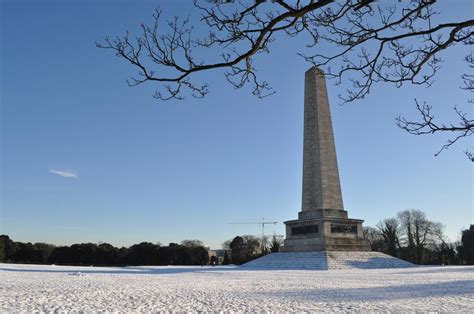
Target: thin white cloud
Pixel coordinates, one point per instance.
(65, 173)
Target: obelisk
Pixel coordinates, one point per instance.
(321, 187)
(322, 223)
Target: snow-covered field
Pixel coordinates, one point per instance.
(91, 289)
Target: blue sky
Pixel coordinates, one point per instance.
(85, 158)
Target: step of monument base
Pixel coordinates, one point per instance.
(326, 260)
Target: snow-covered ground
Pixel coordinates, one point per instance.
(91, 289)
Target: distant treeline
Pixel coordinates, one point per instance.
(409, 235)
(189, 252)
(413, 237)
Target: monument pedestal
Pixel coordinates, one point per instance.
(324, 233)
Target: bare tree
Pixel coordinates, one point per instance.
(192, 243)
(364, 42)
(276, 243)
(418, 233)
(374, 237)
(390, 229)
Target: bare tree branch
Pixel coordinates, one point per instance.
(375, 42)
(361, 42)
(427, 125)
(463, 128)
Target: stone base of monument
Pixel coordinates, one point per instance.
(324, 230)
(326, 260)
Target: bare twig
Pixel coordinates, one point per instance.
(370, 42)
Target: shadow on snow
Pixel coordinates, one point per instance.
(399, 292)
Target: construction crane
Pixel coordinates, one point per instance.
(261, 223)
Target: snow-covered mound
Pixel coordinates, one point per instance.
(327, 260)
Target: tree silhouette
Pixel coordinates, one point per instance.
(466, 249)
